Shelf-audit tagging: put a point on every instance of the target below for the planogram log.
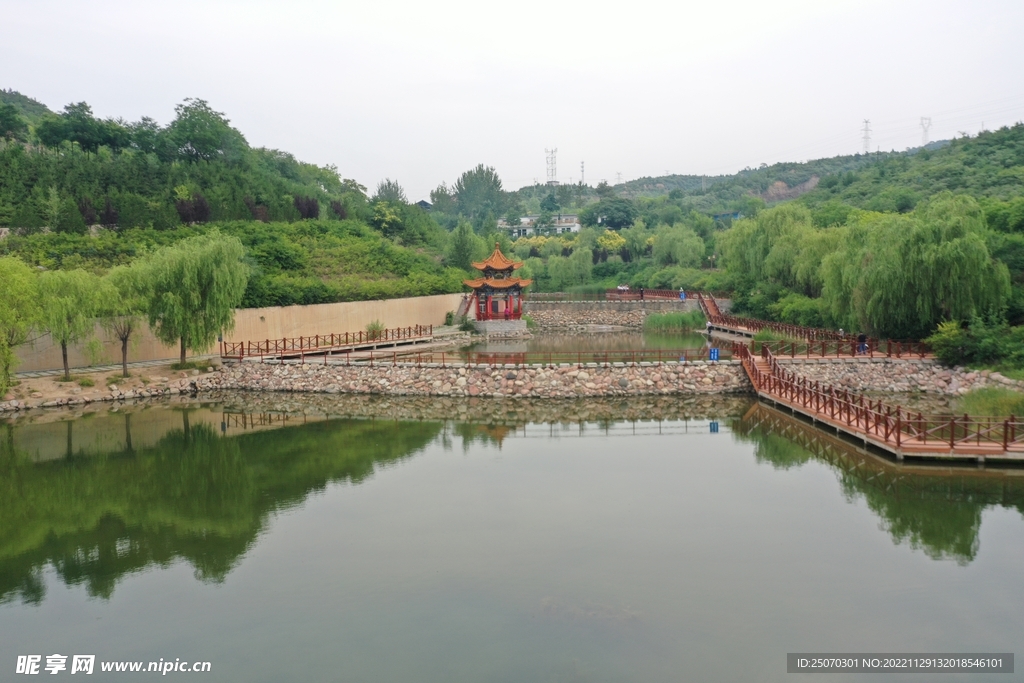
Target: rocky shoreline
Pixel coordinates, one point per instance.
(564, 381)
(897, 375)
(557, 381)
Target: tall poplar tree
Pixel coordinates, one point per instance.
(193, 288)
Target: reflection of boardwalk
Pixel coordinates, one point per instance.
(936, 507)
(865, 464)
(890, 428)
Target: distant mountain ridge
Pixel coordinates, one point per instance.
(988, 165)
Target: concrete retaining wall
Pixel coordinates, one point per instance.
(252, 324)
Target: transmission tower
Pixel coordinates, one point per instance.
(867, 136)
(926, 123)
(552, 166)
(618, 178)
(583, 178)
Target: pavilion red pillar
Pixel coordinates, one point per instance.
(488, 309)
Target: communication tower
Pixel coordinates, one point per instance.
(583, 178)
(867, 136)
(552, 166)
(926, 123)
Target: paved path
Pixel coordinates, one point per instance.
(35, 374)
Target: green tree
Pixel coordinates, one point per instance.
(193, 289)
(19, 312)
(68, 299)
(549, 203)
(636, 238)
(12, 126)
(478, 192)
(614, 213)
(900, 275)
(678, 246)
(462, 246)
(514, 214)
(443, 200)
(389, 190)
(198, 133)
(578, 267)
(146, 135)
(122, 301)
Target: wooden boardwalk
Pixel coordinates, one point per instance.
(890, 428)
(326, 344)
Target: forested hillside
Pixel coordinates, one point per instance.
(892, 243)
(80, 192)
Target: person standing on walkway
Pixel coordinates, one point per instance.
(862, 343)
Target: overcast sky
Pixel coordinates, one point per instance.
(421, 91)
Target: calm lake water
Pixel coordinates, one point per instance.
(579, 344)
(356, 540)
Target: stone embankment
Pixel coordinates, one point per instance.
(563, 318)
(560, 381)
(897, 375)
(563, 314)
(569, 381)
(166, 387)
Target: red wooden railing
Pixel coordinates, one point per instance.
(892, 426)
(634, 294)
(321, 343)
(837, 348)
(815, 342)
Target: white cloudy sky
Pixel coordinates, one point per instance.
(421, 91)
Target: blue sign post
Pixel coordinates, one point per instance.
(713, 354)
(713, 425)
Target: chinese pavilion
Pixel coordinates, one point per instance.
(497, 294)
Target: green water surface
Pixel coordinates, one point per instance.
(489, 541)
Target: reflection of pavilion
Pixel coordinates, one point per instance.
(497, 294)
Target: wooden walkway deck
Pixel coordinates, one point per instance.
(884, 426)
(326, 344)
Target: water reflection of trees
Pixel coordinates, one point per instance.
(193, 496)
(933, 508)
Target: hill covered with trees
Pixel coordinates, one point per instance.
(77, 191)
(892, 243)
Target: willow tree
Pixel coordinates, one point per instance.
(122, 302)
(767, 246)
(68, 299)
(900, 275)
(193, 288)
(678, 245)
(19, 311)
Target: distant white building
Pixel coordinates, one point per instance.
(561, 223)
